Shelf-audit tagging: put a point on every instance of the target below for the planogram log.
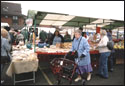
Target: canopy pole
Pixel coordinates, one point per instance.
(85, 28)
(35, 35)
(110, 25)
(96, 25)
(118, 33)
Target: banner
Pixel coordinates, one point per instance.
(98, 29)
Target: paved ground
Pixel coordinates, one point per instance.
(44, 76)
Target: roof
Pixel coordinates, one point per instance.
(58, 19)
(11, 9)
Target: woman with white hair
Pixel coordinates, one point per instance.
(104, 54)
(82, 59)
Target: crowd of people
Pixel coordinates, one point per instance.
(80, 45)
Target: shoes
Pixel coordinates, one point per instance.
(88, 77)
(77, 79)
(2, 81)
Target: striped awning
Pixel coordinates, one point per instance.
(50, 19)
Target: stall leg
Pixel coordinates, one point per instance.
(34, 77)
(14, 78)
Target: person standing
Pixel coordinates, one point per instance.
(19, 37)
(67, 37)
(111, 57)
(80, 44)
(43, 36)
(104, 54)
(57, 38)
(5, 52)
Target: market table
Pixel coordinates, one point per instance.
(48, 56)
(23, 60)
(63, 53)
(18, 67)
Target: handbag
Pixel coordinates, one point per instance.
(110, 45)
(76, 53)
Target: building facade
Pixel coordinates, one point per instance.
(11, 13)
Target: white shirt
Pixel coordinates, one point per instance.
(102, 46)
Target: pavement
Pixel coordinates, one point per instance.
(44, 76)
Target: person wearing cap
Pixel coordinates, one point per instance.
(104, 54)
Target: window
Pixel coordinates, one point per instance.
(6, 16)
(15, 18)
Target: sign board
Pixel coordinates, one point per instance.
(29, 22)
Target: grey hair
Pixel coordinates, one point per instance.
(103, 32)
(78, 31)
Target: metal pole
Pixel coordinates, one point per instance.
(34, 76)
(118, 33)
(85, 28)
(14, 79)
(35, 35)
(96, 26)
(110, 25)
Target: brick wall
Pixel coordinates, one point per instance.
(7, 20)
(10, 21)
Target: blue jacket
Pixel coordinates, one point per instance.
(84, 48)
(109, 35)
(5, 46)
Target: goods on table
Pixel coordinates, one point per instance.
(119, 45)
(67, 45)
(21, 43)
(19, 47)
(92, 45)
(21, 53)
(52, 46)
(19, 56)
(51, 50)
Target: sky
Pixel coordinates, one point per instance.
(95, 9)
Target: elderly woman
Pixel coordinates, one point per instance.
(80, 44)
(104, 54)
(5, 48)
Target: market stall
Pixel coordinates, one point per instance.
(23, 61)
(48, 54)
(49, 19)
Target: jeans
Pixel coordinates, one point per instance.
(103, 67)
(2, 67)
(111, 61)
